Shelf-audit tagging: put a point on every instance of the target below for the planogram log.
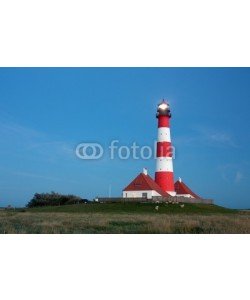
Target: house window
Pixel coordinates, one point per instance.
(144, 195)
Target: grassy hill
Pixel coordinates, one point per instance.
(125, 218)
(138, 208)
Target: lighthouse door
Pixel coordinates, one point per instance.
(144, 195)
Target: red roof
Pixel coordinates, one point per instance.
(145, 183)
(182, 189)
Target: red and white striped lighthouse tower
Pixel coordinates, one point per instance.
(164, 175)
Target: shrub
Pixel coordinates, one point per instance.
(54, 199)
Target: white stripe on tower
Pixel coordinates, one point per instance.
(164, 164)
(164, 175)
(164, 134)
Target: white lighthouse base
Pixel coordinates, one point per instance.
(172, 193)
(185, 195)
(148, 194)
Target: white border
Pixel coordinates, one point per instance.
(124, 33)
(125, 267)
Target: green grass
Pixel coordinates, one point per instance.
(138, 208)
(125, 218)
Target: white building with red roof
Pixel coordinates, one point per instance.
(182, 190)
(143, 186)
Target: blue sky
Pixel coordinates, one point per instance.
(46, 112)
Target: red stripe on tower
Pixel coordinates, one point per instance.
(164, 175)
(163, 121)
(164, 149)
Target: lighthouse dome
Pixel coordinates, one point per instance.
(163, 109)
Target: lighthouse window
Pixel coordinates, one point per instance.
(144, 195)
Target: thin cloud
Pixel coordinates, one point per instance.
(206, 137)
(9, 127)
(33, 141)
(231, 173)
(238, 177)
(40, 176)
(56, 148)
(17, 129)
(33, 175)
(221, 138)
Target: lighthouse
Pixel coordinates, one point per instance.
(164, 175)
(163, 187)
